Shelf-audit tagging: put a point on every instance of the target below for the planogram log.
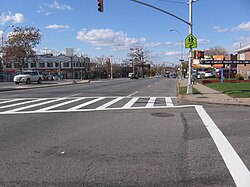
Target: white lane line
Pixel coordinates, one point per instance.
(132, 94)
(168, 101)
(235, 165)
(35, 105)
(74, 95)
(22, 103)
(87, 103)
(151, 102)
(130, 103)
(110, 103)
(149, 86)
(116, 86)
(61, 104)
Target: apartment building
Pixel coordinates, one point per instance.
(244, 69)
(48, 64)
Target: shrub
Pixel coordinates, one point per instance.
(239, 77)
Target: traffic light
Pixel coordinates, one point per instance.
(200, 54)
(100, 5)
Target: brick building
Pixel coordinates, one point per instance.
(244, 69)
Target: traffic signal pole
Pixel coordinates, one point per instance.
(190, 24)
(190, 69)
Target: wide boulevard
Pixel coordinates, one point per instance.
(120, 132)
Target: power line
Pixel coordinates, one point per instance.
(169, 1)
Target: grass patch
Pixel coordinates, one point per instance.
(240, 89)
(183, 90)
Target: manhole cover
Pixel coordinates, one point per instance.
(162, 114)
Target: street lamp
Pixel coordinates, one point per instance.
(2, 38)
(173, 30)
(4, 31)
(181, 59)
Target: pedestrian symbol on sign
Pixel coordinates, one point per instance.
(191, 41)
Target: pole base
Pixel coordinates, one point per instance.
(190, 89)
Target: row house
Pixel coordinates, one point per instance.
(244, 69)
(61, 65)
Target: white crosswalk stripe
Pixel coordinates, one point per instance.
(74, 104)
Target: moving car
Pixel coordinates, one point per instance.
(132, 76)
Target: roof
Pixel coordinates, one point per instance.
(244, 49)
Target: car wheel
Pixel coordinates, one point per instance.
(39, 81)
(16, 82)
(28, 81)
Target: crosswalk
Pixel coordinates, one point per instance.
(81, 104)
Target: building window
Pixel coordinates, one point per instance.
(41, 65)
(57, 64)
(50, 64)
(242, 56)
(33, 65)
(8, 65)
(66, 64)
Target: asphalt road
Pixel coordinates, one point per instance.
(51, 137)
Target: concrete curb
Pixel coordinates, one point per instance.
(42, 86)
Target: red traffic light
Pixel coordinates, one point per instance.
(100, 5)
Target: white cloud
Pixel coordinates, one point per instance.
(157, 44)
(108, 38)
(203, 41)
(55, 5)
(18, 18)
(219, 29)
(58, 27)
(245, 26)
(240, 42)
(47, 8)
(14, 18)
(172, 53)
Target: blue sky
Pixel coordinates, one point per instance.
(123, 24)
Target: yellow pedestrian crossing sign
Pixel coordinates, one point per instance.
(191, 41)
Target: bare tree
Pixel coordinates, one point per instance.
(20, 45)
(217, 50)
(139, 55)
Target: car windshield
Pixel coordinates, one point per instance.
(26, 73)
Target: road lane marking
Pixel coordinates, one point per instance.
(116, 86)
(106, 105)
(61, 104)
(235, 165)
(149, 86)
(9, 101)
(130, 103)
(132, 94)
(85, 104)
(35, 105)
(22, 103)
(168, 101)
(151, 102)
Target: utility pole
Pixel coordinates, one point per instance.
(190, 70)
(111, 68)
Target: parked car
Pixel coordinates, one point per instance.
(28, 77)
(209, 74)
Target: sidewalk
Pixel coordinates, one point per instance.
(211, 96)
(10, 86)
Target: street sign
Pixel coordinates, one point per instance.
(191, 41)
(225, 62)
